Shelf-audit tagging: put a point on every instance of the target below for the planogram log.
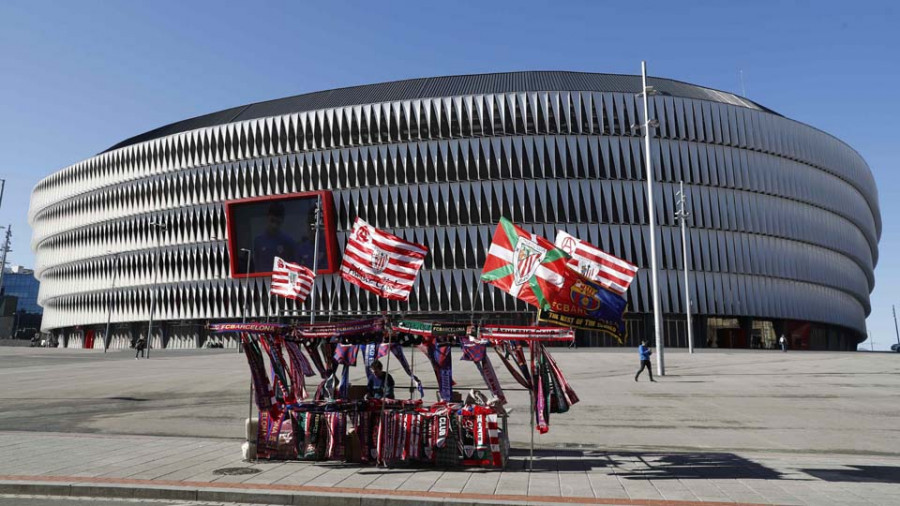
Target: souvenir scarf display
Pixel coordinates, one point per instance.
(394, 432)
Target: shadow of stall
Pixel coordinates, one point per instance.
(645, 465)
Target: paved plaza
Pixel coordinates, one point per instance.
(759, 427)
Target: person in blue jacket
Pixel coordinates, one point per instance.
(645, 353)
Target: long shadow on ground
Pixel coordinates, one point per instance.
(649, 465)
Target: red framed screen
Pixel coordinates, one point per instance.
(262, 228)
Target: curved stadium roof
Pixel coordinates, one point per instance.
(428, 87)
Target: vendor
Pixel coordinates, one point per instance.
(381, 384)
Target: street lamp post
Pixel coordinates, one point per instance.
(683, 214)
(157, 225)
(109, 304)
(657, 316)
(246, 307)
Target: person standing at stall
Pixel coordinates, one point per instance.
(645, 353)
(381, 384)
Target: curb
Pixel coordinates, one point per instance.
(288, 494)
(222, 495)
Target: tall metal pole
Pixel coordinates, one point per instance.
(683, 214)
(4, 249)
(153, 294)
(109, 305)
(895, 322)
(315, 266)
(246, 308)
(657, 316)
(2, 188)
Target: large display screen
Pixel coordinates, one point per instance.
(260, 229)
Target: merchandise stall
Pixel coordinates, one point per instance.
(308, 409)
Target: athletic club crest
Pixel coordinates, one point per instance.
(379, 260)
(526, 260)
(588, 269)
(292, 278)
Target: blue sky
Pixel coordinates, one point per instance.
(77, 77)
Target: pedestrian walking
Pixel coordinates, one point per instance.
(783, 343)
(139, 347)
(645, 353)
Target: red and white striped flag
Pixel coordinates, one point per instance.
(291, 280)
(596, 264)
(380, 262)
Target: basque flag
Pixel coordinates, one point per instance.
(292, 281)
(597, 265)
(524, 265)
(381, 263)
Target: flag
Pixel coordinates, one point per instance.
(595, 264)
(381, 263)
(524, 265)
(584, 304)
(292, 281)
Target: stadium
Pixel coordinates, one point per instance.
(782, 239)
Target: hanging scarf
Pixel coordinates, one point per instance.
(298, 381)
(430, 349)
(265, 400)
(345, 354)
(494, 440)
(283, 391)
(313, 349)
(504, 352)
(476, 352)
(541, 408)
(398, 352)
(571, 397)
(444, 364)
(295, 352)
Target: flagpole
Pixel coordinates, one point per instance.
(537, 319)
(651, 212)
(387, 374)
(315, 266)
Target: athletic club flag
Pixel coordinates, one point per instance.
(380, 262)
(597, 265)
(291, 280)
(524, 265)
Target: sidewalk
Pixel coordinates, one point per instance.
(185, 469)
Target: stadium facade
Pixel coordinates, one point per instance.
(783, 237)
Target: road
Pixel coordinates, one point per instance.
(768, 401)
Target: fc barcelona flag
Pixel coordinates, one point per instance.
(582, 303)
(524, 265)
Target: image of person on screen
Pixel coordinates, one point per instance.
(273, 242)
(306, 248)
